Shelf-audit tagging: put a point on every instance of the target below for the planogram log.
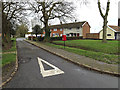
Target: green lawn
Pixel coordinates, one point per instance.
(105, 52)
(8, 58)
(111, 47)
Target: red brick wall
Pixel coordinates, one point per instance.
(58, 31)
(92, 35)
(86, 29)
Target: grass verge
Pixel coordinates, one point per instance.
(111, 47)
(13, 48)
(107, 58)
(8, 58)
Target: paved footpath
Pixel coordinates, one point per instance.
(41, 69)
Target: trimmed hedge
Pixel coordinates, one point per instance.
(30, 37)
(40, 38)
(68, 38)
(55, 38)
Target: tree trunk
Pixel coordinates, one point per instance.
(104, 30)
(104, 19)
(47, 33)
(36, 35)
(6, 40)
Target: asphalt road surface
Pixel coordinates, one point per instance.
(37, 70)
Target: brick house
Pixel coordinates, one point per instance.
(75, 29)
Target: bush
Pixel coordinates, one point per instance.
(68, 38)
(53, 38)
(30, 37)
(40, 38)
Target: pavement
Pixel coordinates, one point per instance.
(83, 61)
(39, 68)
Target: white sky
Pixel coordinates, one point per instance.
(91, 14)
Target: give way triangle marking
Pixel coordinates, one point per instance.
(46, 73)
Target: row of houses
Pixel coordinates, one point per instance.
(75, 29)
(82, 29)
(113, 32)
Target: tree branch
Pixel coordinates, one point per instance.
(99, 6)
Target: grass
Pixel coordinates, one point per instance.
(111, 47)
(100, 56)
(8, 58)
(13, 48)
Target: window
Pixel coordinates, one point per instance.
(108, 34)
(67, 35)
(53, 34)
(60, 29)
(55, 29)
(57, 34)
(60, 34)
(78, 27)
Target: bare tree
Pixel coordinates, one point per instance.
(105, 21)
(11, 12)
(51, 9)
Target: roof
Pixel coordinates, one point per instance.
(114, 28)
(68, 25)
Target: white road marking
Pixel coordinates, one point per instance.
(46, 73)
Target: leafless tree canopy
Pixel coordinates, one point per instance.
(14, 10)
(53, 9)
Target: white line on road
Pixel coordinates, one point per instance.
(46, 73)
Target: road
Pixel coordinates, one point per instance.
(33, 62)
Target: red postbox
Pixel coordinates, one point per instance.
(64, 38)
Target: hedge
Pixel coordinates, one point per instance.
(68, 38)
(55, 38)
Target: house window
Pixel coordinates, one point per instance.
(70, 28)
(67, 35)
(57, 34)
(78, 27)
(108, 34)
(60, 29)
(53, 34)
(55, 29)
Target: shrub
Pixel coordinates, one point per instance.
(40, 38)
(53, 38)
(68, 38)
(30, 37)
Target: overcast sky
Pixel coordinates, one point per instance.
(91, 14)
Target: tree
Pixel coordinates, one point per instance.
(37, 30)
(51, 9)
(21, 30)
(11, 11)
(104, 19)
